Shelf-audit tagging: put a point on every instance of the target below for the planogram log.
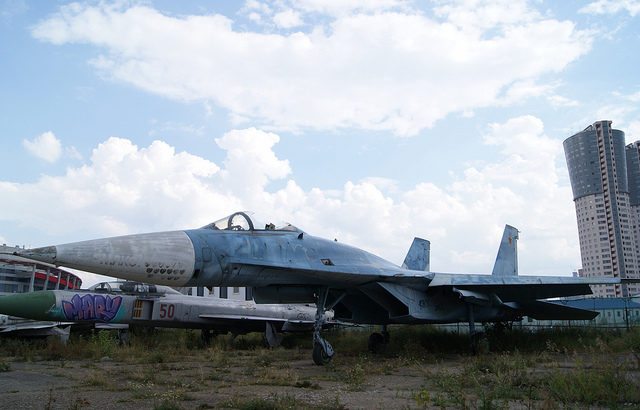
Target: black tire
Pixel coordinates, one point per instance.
(320, 357)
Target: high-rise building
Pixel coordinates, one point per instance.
(600, 174)
(633, 171)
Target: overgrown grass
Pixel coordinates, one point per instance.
(422, 343)
(533, 378)
(531, 369)
(604, 385)
(279, 401)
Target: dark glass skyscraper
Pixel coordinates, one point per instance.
(600, 170)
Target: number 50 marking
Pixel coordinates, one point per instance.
(167, 311)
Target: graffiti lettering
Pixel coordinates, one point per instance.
(92, 307)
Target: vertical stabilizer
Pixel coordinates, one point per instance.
(418, 256)
(507, 259)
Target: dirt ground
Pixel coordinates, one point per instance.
(297, 382)
(287, 379)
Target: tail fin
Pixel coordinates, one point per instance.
(418, 256)
(507, 259)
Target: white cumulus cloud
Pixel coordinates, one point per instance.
(287, 19)
(612, 7)
(45, 146)
(373, 65)
(124, 188)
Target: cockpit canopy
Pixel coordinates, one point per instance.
(240, 221)
(129, 287)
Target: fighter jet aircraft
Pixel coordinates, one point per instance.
(287, 265)
(116, 305)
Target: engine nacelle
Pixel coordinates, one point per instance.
(285, 294)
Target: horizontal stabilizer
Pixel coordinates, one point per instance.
(517, 288)
(552, 311)
(418, 256)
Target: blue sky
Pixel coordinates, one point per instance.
(372, 122)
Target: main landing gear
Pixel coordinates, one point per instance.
(378, 339)
(322, 349)
(474, 335)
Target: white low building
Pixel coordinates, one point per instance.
(19, 275)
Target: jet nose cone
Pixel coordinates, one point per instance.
(46, 254)
(165, 258)
(33, 305)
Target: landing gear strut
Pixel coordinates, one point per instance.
(322, 350)
(473, 333)
(378, 339)
(205, 336)
(274, 339)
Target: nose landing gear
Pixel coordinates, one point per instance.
(322, 349)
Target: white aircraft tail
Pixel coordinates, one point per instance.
(507, 259)
(418, 256)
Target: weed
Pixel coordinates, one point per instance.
(306, 384)
(214, 375)
(487, 401)
(422, 398)
(438, 400)
(606, 385)
(5, 366)
(270, 377)
(144, 375)
(355, 376)
(54, 350)
(96, 379)
(524, 367)
(79, 403)
(50, 401)
(276, 401)
(103, 343)
(505, 374)
(265, 358)
(157, 357)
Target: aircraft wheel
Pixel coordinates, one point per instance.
(320, 355)
(375, 341)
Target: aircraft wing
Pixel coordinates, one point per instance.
(111, 326)
(514, 288)
(25, 327)
(339, 275)
(243, 317)
(507, 288)
(22, 326)
(552, 311)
